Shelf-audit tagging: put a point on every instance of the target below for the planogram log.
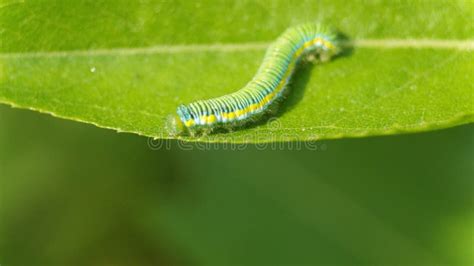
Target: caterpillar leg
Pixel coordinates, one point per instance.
(206, 131)
(312, 58)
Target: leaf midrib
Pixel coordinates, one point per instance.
(465, 45)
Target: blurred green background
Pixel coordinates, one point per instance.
(76, 194)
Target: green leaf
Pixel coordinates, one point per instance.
(126, 65)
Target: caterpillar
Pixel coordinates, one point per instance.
(310, 40)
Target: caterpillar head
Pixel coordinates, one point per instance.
(178, 124)
(174, 126)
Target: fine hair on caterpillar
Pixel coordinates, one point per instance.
(260, 97)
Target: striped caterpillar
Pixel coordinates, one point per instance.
(248, 104)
